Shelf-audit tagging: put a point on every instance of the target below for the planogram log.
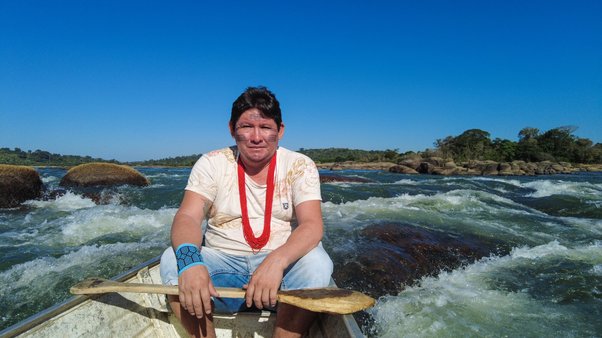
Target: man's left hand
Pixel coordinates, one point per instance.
(262, 289)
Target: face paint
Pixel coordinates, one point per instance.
(256, 137)
(239, 137)
(272, 137)
(247, 131)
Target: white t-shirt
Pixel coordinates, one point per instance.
(214, 176)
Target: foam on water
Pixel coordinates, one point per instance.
(587, 226)
(465, 302)
(67, 202)
(85, 225)
(548, 187)
(458, 210)
(82, 221)
(28, 273)
(49, 179)
(513, 182)
(466, 200)
(166, 175)
(406, 181)
(545, 188)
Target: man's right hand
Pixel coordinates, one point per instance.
(196, 289)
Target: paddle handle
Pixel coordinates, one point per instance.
(99, 286)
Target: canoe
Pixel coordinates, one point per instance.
(147, 315)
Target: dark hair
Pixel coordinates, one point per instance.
(257, 97)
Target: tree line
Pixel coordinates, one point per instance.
(177, 161)
(327, 155)
(557, 144)
(43, 158)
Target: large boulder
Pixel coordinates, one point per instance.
(489, 168)
(505, 169)
(413, 163)
(18, 184)
(445, 171)
(450, 165)
(426, 168)
(402, 169)
(102, 174)
(391, 255)
(436, 161)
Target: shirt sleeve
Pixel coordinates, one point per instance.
(306, 186)
(202, 179)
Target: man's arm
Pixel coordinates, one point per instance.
(194, 284)
(263, 286)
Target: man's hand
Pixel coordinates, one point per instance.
(262, 289)
(196, 289)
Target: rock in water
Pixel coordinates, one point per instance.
(102, 174)
(402, 169)
(18, 184)
(389, 256)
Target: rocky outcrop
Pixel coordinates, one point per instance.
(439, 166)
(102, 174)
(589, 167)
(415, 164)
(402, 169)
(18, 184)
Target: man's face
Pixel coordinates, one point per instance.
(256, 137)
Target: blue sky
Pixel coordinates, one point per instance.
(135, 80)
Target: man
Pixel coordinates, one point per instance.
(250, 193)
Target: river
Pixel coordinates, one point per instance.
(547, 282)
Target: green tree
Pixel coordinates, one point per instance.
(473, 144)
(528, 133)
(558, 142)
(503, 150)
(584, 151)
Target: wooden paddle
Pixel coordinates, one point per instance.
(328, 300)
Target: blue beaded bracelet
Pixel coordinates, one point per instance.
(188, 255)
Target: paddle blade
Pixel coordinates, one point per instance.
(328, 300)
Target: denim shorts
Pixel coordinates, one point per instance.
(311, 271)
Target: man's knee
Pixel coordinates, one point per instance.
(311, 271)
(321, 266)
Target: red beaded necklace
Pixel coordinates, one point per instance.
(256, 243)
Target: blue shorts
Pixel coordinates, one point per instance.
(311, 271)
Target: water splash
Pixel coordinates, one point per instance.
(70, 201)
(459, 303)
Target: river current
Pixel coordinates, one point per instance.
(547, 283)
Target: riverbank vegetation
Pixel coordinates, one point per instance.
(555, 145)
(177, 161)
(42, 158)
